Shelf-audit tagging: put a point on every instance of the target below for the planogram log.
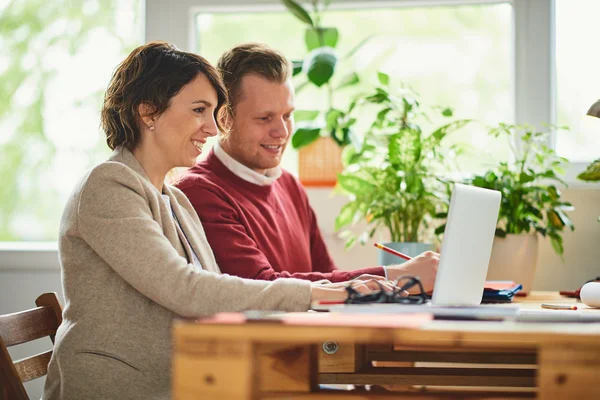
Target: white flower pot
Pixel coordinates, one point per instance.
(514, 258)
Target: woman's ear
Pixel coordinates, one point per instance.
(146, 112)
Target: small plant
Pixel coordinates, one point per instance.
(591, 174)
(531, 201)
(319, 68)
(391, 177)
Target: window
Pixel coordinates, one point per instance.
(57, 59)
(458, 56)
(577, 79)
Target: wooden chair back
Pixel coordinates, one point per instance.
(22, 327)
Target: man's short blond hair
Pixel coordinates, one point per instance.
(251, 58)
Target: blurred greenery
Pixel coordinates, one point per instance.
(531, 201)
(577, 83)
(319, 67)
(591, 173)
(33, 33)
(392, 176)
(455, 55)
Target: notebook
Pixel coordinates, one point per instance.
(500, 291)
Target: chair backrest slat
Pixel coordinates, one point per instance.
(26, 326)
(33, 367)
(11, 388)
(22, 327)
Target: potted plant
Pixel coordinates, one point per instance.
(391, 175)
(531, 203)
(318, 138)
(591, 174)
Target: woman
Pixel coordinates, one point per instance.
(132, 249)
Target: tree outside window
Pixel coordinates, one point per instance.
(56, 60)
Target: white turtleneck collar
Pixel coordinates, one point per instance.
(243, 171)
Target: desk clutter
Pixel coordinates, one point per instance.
(500, 291)
(412, 320)
(493, 292)
(590, 294)
(576, 293)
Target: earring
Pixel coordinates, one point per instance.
(151, 127)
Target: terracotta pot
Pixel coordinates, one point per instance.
(319, 163)
(514, 258)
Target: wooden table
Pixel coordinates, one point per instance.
(441, 359)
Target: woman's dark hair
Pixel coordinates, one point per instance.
(152, 74)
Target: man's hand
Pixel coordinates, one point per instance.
(424, 266)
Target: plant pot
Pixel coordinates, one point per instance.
(514, 258)
(319, 163)
(409, 248)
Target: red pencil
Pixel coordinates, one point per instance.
(392, 251)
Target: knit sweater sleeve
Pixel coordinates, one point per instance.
(238, 253)
(115, 220)
(321, 260)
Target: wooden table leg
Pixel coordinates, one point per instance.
(569, 372)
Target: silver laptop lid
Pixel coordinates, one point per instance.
(467, 246)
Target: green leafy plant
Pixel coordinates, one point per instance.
(591, 173)
(391, 176)
(319, 68)
(531, 201)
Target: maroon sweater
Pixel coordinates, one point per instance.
(260, 232)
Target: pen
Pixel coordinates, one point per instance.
(329, 302)
(559, 307)
(391, 251)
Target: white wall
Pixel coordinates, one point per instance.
(582, 247)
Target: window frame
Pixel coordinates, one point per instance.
(534, 71)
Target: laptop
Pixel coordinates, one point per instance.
(467, 246)
(464, 258)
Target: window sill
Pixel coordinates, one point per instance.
(32, 256)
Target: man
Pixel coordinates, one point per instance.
(257, 217)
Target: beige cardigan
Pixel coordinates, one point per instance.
(126, 275)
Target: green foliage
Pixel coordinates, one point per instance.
(320, 37)
(592, 172)
(303, 136)
(31, 32)
(298, 11)
(319, 65)
(391, 176)
(319, 68)
(531, 201)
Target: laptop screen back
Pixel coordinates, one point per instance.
(467, 246)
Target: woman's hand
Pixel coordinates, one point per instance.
(337, 291)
